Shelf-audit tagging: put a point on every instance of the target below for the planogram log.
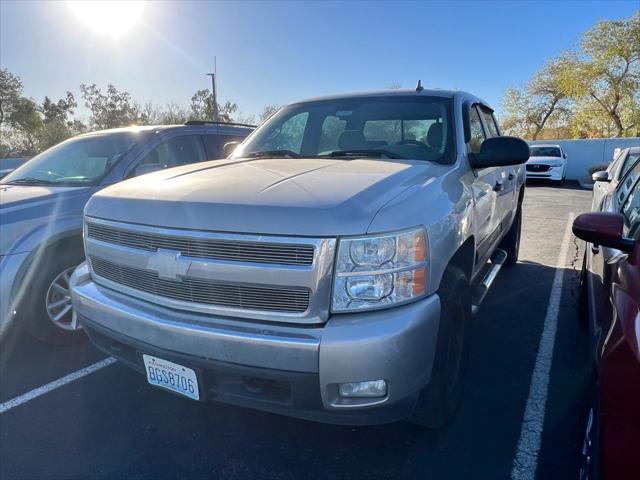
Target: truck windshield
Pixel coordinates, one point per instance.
(79, 161)
(412, 127)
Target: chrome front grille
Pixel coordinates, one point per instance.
(252, 297)
(250, 276)
(217, 249)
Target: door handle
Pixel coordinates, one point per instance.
(497, 187)
(511, 176)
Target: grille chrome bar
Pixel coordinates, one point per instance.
(252, 297)
(243, 251)
(173, 266)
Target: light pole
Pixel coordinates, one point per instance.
(214, 109)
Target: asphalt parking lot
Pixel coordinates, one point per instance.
(522, 411)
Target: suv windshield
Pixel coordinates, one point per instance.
(412, 127)
(544, 151)
(79, 161)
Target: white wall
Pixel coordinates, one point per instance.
(584, 154)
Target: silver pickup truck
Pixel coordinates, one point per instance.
(327, 269)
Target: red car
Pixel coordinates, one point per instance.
(611, 284)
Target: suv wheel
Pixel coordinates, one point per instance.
(439, 400)
(48, 314)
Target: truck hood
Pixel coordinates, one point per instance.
(302, 196)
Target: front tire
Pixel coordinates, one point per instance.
(439, 400)
(47, 312)
(511, 242)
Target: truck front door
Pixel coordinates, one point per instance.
(485, 193)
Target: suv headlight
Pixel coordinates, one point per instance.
(555, 165)
(380, 270)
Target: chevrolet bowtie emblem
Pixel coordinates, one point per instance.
(168, 264)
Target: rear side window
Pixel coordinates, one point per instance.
(176, 151)
(490, 123)
(477, 133)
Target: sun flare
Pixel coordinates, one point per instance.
(112, 18)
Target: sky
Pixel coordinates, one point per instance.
(279, 52)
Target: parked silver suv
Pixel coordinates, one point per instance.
(327, 270)
(41, 204)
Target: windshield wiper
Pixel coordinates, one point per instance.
(374, 152)
(29, 181)
(272, 154)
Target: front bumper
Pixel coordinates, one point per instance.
(10, 268)
(554, 173)
(297, 368)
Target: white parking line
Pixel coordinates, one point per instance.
(525, 462)
(36, 392)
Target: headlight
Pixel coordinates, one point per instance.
(555, 165)
(380, 270)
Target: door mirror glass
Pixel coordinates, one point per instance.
(603, 228)
(229, 148)
(601, 176)
(500, 152)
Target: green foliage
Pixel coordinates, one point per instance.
(10, 94)
(267, 111)
(592, 92)
(111, 109)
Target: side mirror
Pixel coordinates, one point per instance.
(601, 176)
(147, 168)
(603, 228)
(500, 152)
(229, 148)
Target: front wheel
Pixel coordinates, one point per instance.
(48, 314)
(439, 400)
(511, 242)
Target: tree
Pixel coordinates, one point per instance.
(112, 109)
(542, 99)
(10, 93)
(604, 76)
(60, 110)
(267, 111)
(202, 107)
(25, 123)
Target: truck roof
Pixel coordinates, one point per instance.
(220, 127)
(400, 92)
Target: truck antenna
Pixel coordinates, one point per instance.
(419, 87)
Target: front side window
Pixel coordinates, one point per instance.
(176, 151)
(477, 133)
(78, 161)
(490, 122)
(412, 127)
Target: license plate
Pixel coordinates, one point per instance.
(176, 378)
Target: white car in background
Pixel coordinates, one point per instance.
(547, 162)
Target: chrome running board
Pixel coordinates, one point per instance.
(480, 292)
